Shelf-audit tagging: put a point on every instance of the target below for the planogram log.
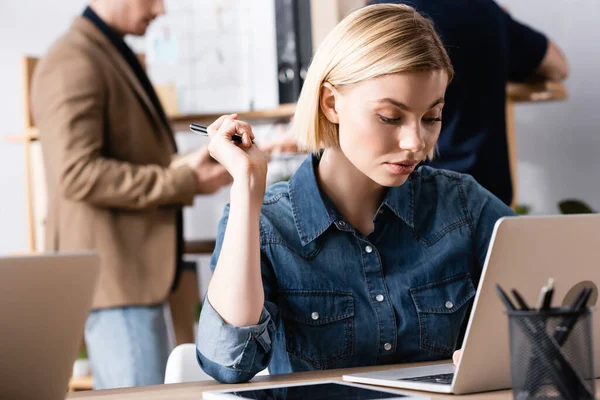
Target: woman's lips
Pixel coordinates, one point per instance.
(402, 168)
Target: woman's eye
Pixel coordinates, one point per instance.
(386, 120)
(431, 121)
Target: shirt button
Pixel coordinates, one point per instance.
(449, 304)
(368, 249)
(341, 223)
(379, 298)
(315, 316)
(387, 346)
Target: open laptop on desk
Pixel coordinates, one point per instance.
(524, 252)
(44, 303)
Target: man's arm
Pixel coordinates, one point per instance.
(68, 103)
(554, 64)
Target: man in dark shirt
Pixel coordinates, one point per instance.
(115, 184)
(487, 48)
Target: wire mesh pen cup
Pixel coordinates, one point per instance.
(551, 354)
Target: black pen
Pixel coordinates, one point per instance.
(548, 298)
(203, 131)
(581, 299)
(520, 300)
(545, 297)
(566, 325)
(505, 299)
(586, 297)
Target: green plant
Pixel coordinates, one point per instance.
(522, 209)
(82, 355)
(574, 206)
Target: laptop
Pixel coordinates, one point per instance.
(524, 252)
(44, 303)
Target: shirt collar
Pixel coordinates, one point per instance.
(109, 32)
(401, 200)
(314, 212)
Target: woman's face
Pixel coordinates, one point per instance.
(389, 124)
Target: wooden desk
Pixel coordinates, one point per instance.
(193, 391)
(78, 384)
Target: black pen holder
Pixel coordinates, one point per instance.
(551, 354)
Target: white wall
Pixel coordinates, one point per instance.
(559, 143)
(347, 6)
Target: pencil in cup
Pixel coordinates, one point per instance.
(541, 367)
(542, 360)
(560, 323)
(540, 353)
(203, 131)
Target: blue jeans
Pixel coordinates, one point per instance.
(127, 346)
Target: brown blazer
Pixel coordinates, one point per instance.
(107, 159)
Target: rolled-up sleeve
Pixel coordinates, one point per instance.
(233, 354)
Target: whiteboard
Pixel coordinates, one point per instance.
(220, 54)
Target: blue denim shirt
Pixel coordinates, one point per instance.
(335, 298)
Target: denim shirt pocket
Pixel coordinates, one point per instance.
(441, 308)
(319, 325)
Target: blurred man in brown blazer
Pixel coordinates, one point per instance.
(115, 185)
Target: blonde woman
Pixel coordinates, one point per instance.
(361, 258)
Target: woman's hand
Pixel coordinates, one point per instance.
(245, 162)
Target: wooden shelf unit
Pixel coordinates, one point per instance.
(525, 92)
(181, 122)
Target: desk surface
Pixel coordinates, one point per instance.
(193, 391)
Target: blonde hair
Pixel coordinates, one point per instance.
(373, 41)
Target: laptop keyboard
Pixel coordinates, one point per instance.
(442, 379)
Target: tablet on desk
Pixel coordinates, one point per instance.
(319, 390)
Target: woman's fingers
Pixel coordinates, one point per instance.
(241, 129)
(215, 126)
(456, 356)
(244, 130)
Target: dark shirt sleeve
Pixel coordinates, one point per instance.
(526, 49)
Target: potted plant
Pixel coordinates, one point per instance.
(574, 206)
(522, 209)
(197, 310)
(81, 367)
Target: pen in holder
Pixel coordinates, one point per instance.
(551, 351)
(551, 354)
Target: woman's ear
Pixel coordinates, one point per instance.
(329, 97)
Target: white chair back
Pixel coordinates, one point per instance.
(182, 366)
